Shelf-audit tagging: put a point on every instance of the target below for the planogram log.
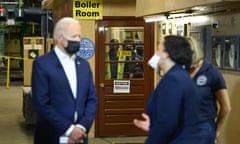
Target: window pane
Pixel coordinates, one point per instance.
(123, 61)
(124, 33)
(127, 70)
(133, 70)
(124, 52)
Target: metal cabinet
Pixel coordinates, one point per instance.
(230, 52)
(218, 43)
(226, 52)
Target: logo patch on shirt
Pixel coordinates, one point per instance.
(201, 80)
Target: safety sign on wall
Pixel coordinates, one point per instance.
(121, 86)
(33, 43)
(87, 9)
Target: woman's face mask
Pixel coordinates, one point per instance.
(154, 60)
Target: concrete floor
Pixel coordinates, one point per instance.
(13, 129)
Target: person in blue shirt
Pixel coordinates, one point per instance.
(212, 89)
(173, 107)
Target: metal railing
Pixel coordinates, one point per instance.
(11, 70)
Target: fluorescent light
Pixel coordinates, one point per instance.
(179, 15)
(196, 19)
(155, 18)
(192, 19)
(200, 8)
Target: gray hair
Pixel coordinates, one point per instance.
(62, 25)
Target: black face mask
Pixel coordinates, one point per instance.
(72, 47)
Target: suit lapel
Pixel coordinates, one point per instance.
(62, 75)
(78, 64)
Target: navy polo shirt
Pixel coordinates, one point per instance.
(208, 80)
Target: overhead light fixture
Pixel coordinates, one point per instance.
(178, 15)
(155, 18)
(200, 8)
(196, 19)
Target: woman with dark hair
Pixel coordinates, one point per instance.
(173, 107)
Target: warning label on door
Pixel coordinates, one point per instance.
(121, 86)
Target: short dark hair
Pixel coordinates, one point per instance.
(179, 50)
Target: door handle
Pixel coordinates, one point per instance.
(101, 85)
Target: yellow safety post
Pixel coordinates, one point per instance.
(8, 72)
(8, 67)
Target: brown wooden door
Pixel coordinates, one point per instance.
(123, 78)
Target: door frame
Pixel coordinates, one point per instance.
(150, 72)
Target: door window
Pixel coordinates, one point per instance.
(124, 53)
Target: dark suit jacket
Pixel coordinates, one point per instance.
(54, 101)
(173, 109)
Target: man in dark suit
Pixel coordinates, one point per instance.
(63, 90)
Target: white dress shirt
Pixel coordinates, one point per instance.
(68, 64)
